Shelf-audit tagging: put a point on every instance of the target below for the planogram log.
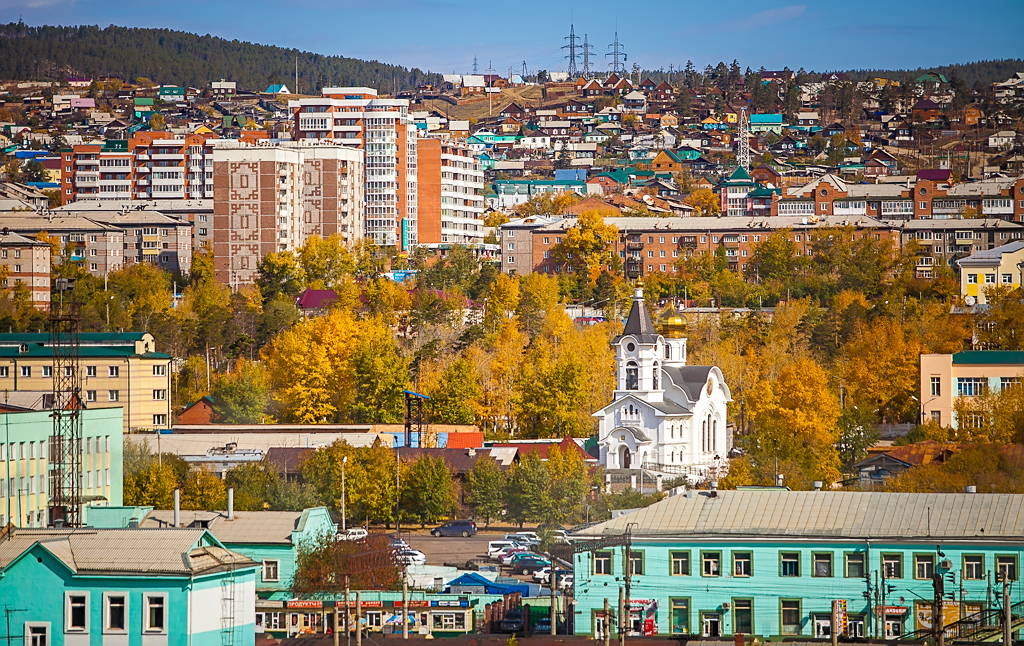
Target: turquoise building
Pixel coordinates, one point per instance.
(88, 587)
(771, 562)
(24, 439)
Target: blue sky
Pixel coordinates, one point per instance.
(445, 35)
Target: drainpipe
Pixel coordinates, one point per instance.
(231, 503)
(177, 507)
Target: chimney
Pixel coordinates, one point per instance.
(971, 489)
(714, 489)
(177, 507)
(817, 485)
(231, 503)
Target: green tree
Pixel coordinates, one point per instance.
(452, 398)
(527, 491)
(279, 273)
(858, 432)
(774, 258)
(485, 487)
(203, 491)
(253, 483)
(428, 493)
(379, 374)
(242, 397)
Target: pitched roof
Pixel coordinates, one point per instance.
(542, 448)
(639, 323)
(832, 514)
(262, 527)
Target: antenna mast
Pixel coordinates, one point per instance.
(618, 55)
(573, 72)
(65, 454)
(743, 150)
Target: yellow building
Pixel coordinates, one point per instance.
(945, 377)
(985, 269)
(118, 370)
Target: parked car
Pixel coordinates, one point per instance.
(512, 622)
(542, 574)
(496, 546)
(529, 538)
(399, 543)
(411, 557)
(529, 564)
(512, 557)
(543, 627)
(566, 582)
(463, 528)
(353, 534)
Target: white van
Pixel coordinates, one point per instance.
(530, 538)
(353, 534)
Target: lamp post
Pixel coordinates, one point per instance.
(920, 417)
(343, 461)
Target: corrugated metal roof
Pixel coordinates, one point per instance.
(131, 551)
(247, 527)
(825, 514)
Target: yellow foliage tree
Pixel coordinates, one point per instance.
(585, 246)
(880, 369)
(502, 300)
(704, 202)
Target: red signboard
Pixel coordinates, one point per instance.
(415, 603)
(305, 603)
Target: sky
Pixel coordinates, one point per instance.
(445, 35)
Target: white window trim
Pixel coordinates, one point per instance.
(107, 630)
(146, 630)
(67, 612)
(37, 624)
(277, 565)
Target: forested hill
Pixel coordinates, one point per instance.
(181, 58)
(980, 72)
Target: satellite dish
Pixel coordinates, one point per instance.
(969, 301)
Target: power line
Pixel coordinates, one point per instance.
(474, 65)
(573, 72)
(618, 55)
(588, 52)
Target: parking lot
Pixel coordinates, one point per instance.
(451, 549)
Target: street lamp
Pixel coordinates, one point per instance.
(920, 417)
(343, 461)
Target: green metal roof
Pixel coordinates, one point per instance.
(86, 337)
(85, 352)
(989, 357)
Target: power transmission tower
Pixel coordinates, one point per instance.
(743, 150)
(474, 65)
(524, 71)
(588, 52)
(573, 72)
(65, 454)
(618, 55)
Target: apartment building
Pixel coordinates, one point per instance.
(945, 377)
(198, 212)
(943, 242)
(257, 208)
(81, 239)
(385, 132)
(120, 370)
(23, 463)
(26, 261)
(332, 190)
(149, 236)
(450, 200)
(1003, 265)
(653, 245)
(152, 165)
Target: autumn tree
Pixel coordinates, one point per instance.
(454, 390)
(379, 374)
(242, 396)
(203, 491)
(705, 202)
(585, 246)
(880, 370)
(485, 488)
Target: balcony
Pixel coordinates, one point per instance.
(141, 157)
(634, 245)
(687, 242)
(142, 169)
(87, 162)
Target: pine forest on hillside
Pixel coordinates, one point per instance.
(180, 58)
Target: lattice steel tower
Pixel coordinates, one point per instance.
(743, 149)
(618, 55)
(572, 46)
(65, 455)
(588, 53)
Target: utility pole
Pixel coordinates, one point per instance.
(607, 623)
(622, 620)
(1007, 612)
(572, 51)
(938, 622)
(554, 584)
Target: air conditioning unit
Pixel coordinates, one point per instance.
(946, 565)
(725, 606)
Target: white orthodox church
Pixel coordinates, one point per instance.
(665, 416)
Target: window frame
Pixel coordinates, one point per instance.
(107, 629)
(735, 610)
(277, 571)
(47, 631)
(922, 557)
(782, 561)
(68, 596)
(899, 557)
(633, 557)
(749, 557)
(963, 567)
(846, 564)
(718, 555)
(1015, 563)
(147, 629)
(831, 565)
(611, 562)
(671, 617)
(672, 558)
(782, 616)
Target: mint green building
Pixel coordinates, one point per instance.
(125, 587)
(770, 562)
(24, 439)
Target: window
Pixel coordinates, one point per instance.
(76, 612)
(90, 395)
(1006, 567)
(270, 570)
(924, 566)
(90, 371)
(26, 371)
(154, 613)
(5, 371)
(37, 632)
(632, 376)
(790, 564)
(602, 562)
(971, 386)
(855, 565)
(160, 420)
(974, 567)
(741, 564)
(936, 386)
(710, 562)
(822, 564)
(791, 620)
(743, 616)
(680, 609)
(159, 371)
(680, 563)
(47, 371)
(892, 566)
(636, 563)
(113, 395)
(113, 371)
(115, 611)
(990, 279)
(159, 395)
(450, 621)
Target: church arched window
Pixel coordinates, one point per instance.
(714, 434)
(632, 376)
(655, 375)
(704, 435)
(668, 351)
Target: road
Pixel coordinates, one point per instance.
(451, 549)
